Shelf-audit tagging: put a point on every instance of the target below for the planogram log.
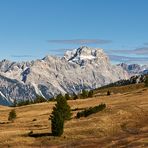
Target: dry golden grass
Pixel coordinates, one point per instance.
(122, 124)
(119, 89)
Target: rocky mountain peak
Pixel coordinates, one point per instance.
(85, 53)
(49, 58)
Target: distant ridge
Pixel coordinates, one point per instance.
(134, 69)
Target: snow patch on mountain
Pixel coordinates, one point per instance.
(85, 54)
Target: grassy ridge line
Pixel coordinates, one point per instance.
(118, 89)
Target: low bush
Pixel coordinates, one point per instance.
(76, 109)
(146, 81)
(108, 93)
(75, 96)
(24, 102)
(67, 97)
(91, 110)
(12, 115)
(86, 94)
(38, 99)
(30, 133)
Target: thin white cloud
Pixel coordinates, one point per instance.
(145, 43)
(21, 56)
(126, 59)
(137, 51)
(142, 50)
(81, 41)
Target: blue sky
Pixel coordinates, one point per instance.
(31, 29)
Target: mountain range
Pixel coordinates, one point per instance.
(82, 68)
(134, 69)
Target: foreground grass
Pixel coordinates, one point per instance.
(122, 123)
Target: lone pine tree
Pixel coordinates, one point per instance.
(57, 123)
(61, 112)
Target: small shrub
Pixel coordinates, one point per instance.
(84, 94)
(51, 99)
(80, 114)
(24, 102)
(14, 103)
(12, 115)
(39, 99)
(91, 110)
(34, 120)
(30, 133)
(90, 93)
(76, 109)
(146, 81)
(67, 97)
(108, 93)
(74, 96)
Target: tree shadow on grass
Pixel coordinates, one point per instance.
(36, 135)
(7, 122)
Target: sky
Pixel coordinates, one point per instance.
(32, 29)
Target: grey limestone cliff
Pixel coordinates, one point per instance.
(82, 68)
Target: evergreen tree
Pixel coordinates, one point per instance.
(12, 115)
(57, 122)
(14, 103)
(61, 112)
(84, 94)
(75, 96)
(39, 99)
(90, 93)
(146, 81)
(59, 96)
(108, 93)
(63, 107)
(67, 97)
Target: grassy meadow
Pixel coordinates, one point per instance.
(124, 122)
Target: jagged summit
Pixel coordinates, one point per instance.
(82, 68)
(49, 58)
(85, 54)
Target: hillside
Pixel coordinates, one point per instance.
(102, 91)
(122, 124)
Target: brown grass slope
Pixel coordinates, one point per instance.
(124, 123)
